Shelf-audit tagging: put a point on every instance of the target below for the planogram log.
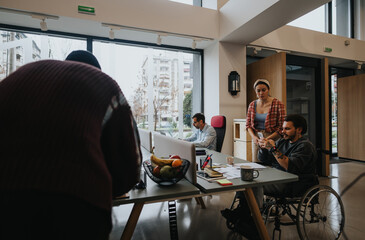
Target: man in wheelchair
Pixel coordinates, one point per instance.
(292, 153)
(295, 154)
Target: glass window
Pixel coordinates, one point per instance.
(341, 18)
(335, 74)
(314, 20)
(190, 2)
(334, 112)
(19, 48)
(300, 92)
(158, 84)
(163, 87)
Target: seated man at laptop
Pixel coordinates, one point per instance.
(294, 154)
(205, 136)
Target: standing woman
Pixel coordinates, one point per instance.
(265, 115)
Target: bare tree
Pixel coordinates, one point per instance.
(162, 98)
(139, 106)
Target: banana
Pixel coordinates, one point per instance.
(161, 162)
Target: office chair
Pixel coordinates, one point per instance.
(219, 124)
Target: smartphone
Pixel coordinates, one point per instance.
(260, 135)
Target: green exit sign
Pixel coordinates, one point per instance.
(327, 49)
(86, 10)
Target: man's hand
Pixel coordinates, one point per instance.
(281, 158)
(266, 143)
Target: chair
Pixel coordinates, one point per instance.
(219, 124)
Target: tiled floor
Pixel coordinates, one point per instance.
(196, 223)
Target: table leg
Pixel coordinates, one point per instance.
(200, 202)
(132, 221)
(256, 214)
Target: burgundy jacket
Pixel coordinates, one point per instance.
(56, 137)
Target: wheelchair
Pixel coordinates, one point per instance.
(317, 214)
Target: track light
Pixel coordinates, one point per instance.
(40, 16)
(359, 64)
(193, 45)
(111, 34)
(159, 40)
(44, 25)
(159, 33)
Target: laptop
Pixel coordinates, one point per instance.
(165, 146)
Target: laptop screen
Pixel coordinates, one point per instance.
(165, 146)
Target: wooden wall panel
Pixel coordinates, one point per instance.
(273, 69)
(351, 117)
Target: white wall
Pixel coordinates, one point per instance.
(236, 13)
(232, 57)
(211, 81)
(311, 42)
(219, 60)
(159, 15)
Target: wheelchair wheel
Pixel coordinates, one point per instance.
(230, 225)
(320, 214)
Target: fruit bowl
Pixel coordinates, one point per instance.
(178, 173)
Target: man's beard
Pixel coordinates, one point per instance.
(290, 138)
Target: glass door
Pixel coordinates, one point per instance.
(302, 76)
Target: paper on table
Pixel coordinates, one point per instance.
(251, 164)
(231, 172)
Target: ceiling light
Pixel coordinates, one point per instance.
(111, 33)
(359, 64)
(43, 25)
(193, 45)
(161, 33)
(159, 40)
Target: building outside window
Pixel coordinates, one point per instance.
(19, 48)
(158, 84)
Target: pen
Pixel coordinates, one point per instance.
(206, 161)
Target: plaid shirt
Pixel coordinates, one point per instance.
(274, 119)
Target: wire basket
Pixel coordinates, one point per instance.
(179, 173)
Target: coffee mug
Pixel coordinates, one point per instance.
(248, 173)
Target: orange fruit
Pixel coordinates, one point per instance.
(156, 171)
(176, 163)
